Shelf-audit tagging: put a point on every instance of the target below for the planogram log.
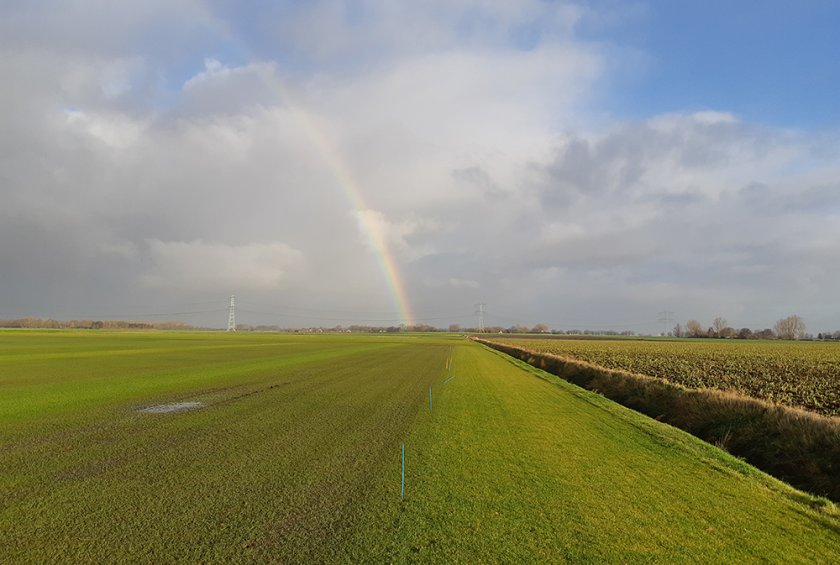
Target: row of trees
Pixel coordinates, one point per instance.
(50, 324)
(454, 328)
(792, 327)
(594, 332)
(355, 328)
(515, 329)
(538, 329)
(834, 336)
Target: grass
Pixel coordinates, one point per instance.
(296, 459)
(520, 466)
(277, 463)
(800, 447)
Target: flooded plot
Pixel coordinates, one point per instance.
(172, 407)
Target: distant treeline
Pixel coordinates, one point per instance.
(341, 329)
(50, 324)
(792, 327)
(454, 328)
(692, 329)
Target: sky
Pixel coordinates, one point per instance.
(580, 164)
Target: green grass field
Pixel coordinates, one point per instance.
(295, 457)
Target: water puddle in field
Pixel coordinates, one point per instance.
(173, 407)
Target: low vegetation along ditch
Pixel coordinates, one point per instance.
(795, 445)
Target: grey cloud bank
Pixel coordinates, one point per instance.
(141, 168)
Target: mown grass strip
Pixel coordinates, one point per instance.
(798, 447)
(519, 466)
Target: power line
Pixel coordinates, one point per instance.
(666, 318)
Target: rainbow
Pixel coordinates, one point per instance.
(347, 182)
(372, 230)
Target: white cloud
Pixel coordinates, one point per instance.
(115, 130)
(200, 265)
(477, 145)
(452, 282)
(375, 229)
(220, 89)
(381, 30)
(463, 283)
(711, 117)
(679, 121)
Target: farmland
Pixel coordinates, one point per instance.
(293, 455)
(802, 374)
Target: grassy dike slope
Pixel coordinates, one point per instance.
(516, 465)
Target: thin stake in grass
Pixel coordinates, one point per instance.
(402, 481)
(430, 399)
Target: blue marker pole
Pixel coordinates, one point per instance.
(402, 484)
